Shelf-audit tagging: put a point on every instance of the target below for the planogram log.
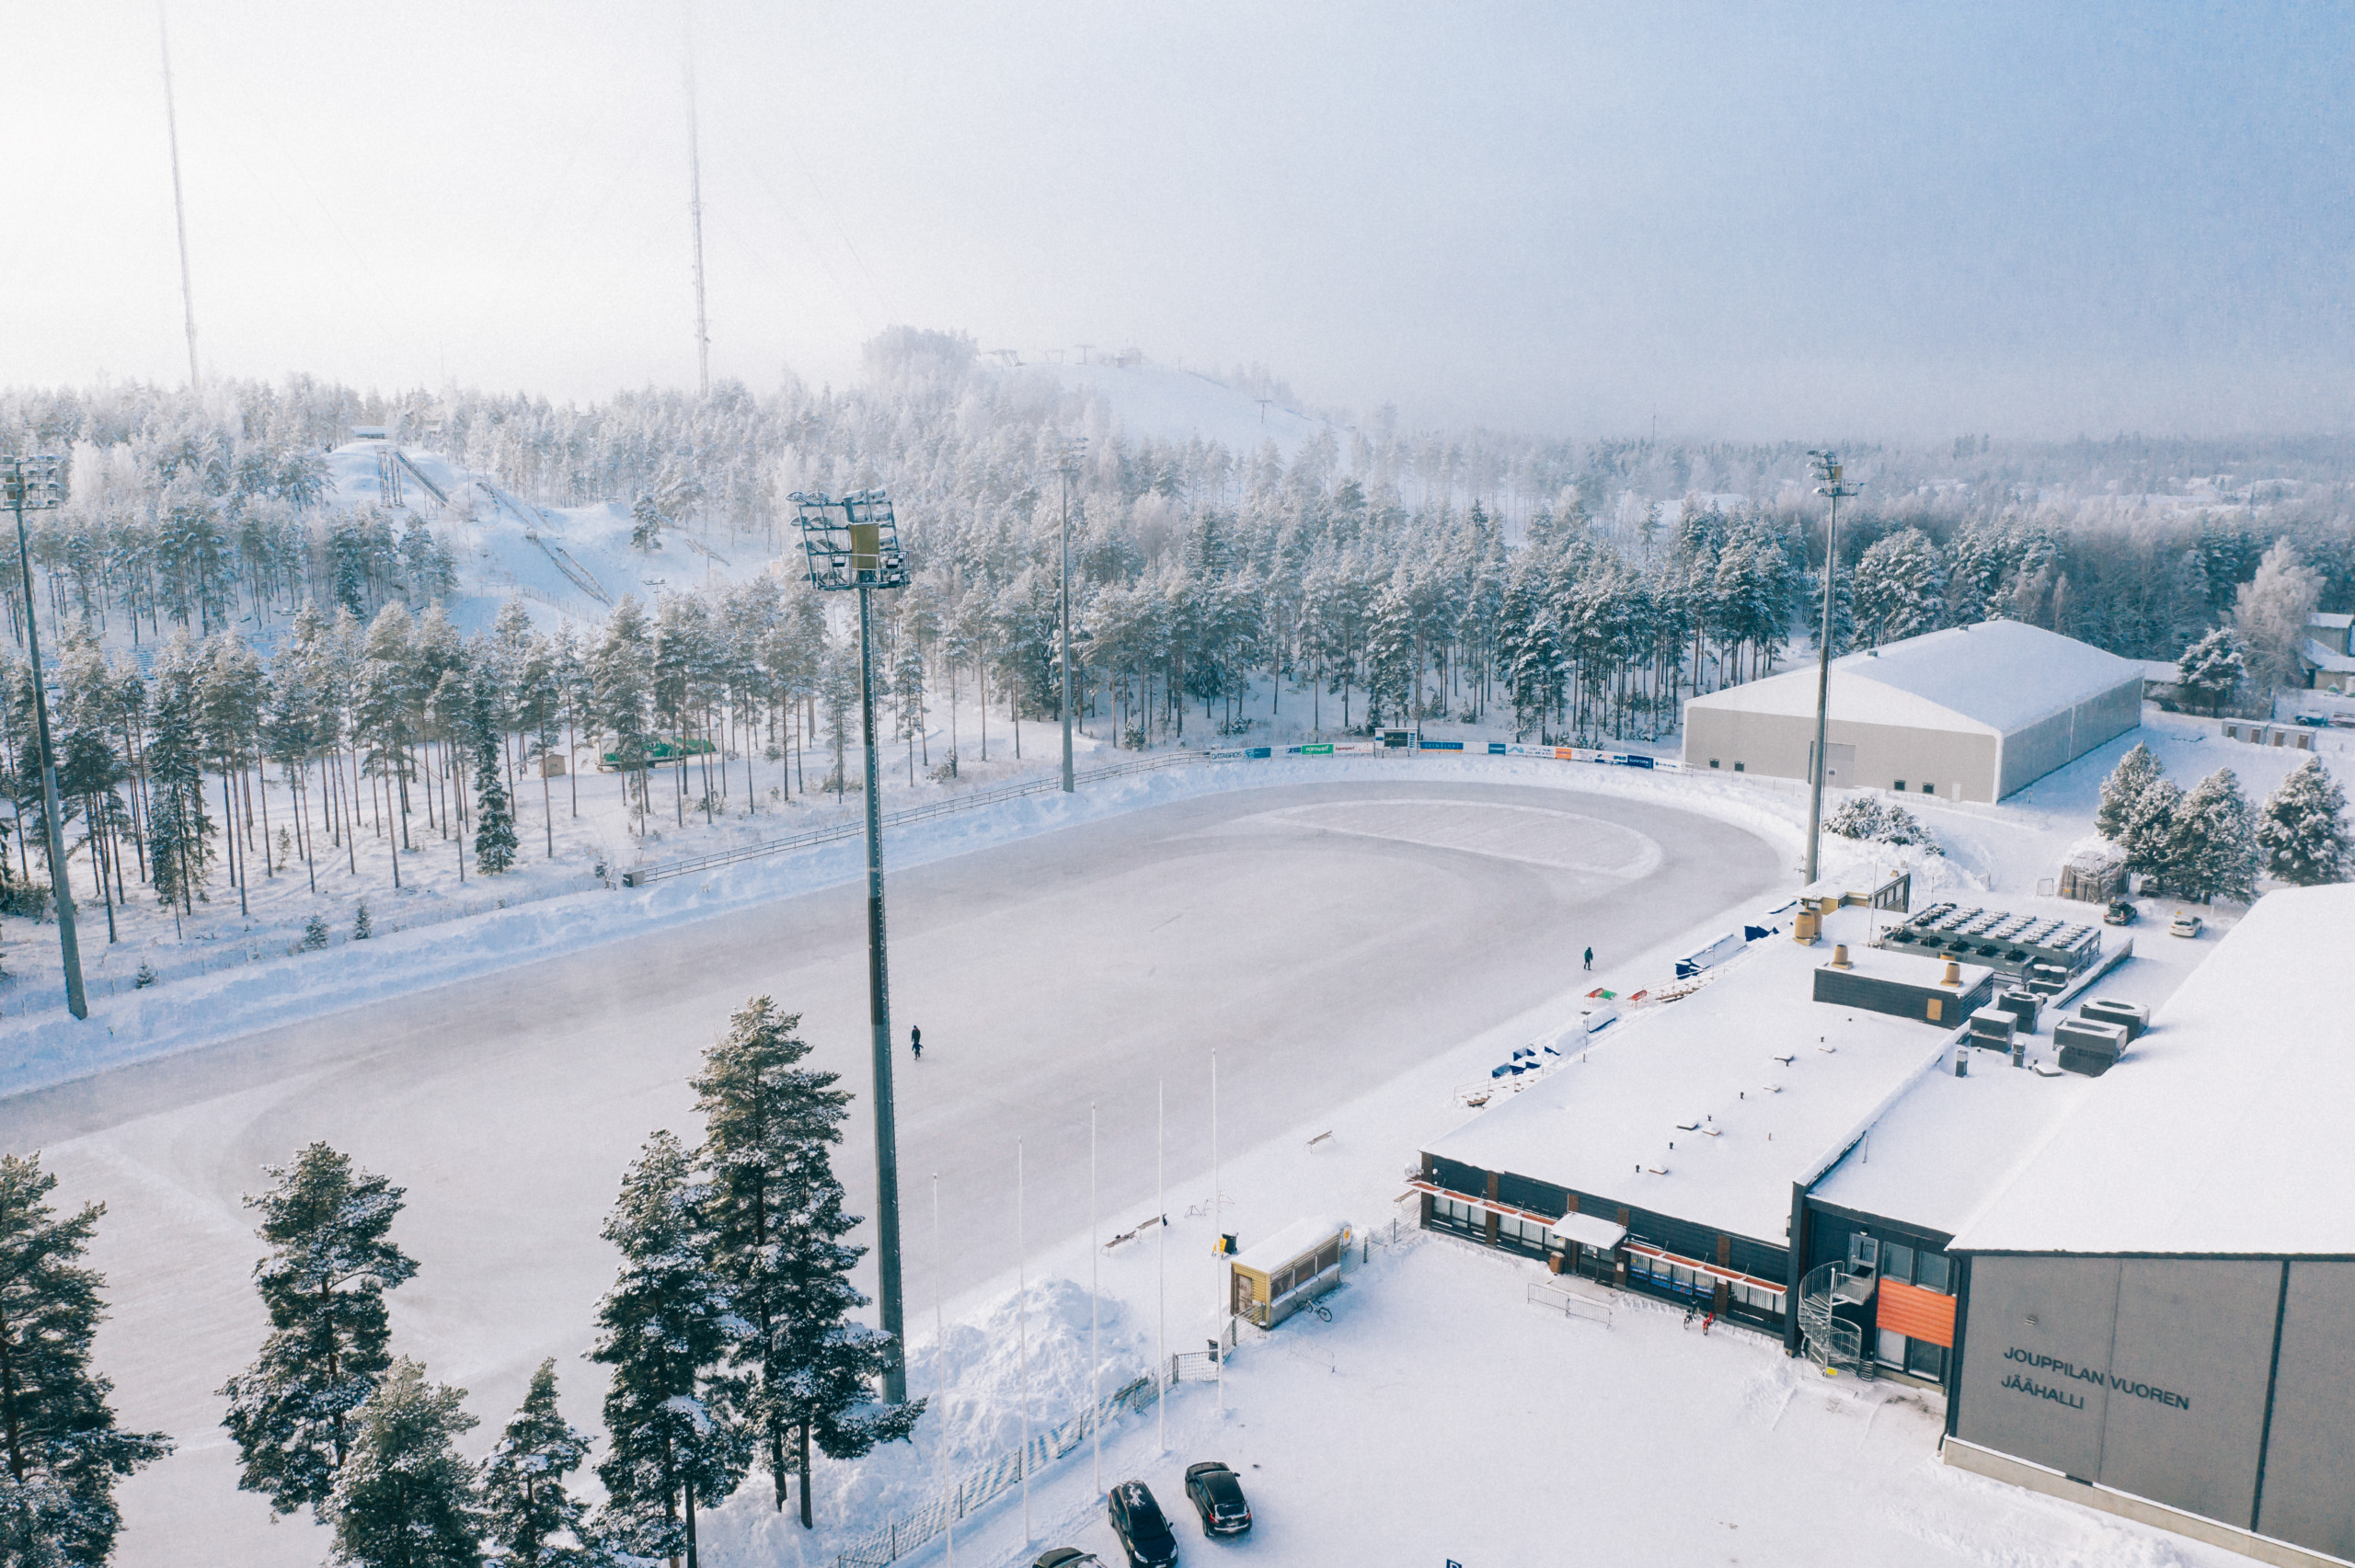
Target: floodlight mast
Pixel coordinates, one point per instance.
(1826, 470)
(36, 482)
(1067, 465)
(854, 543)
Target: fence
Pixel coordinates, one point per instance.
(641, 876)
(900, 1535)
(1570, 1303)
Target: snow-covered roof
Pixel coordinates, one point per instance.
(2322, 657)
(1297, 1240)
(2229, 1133)
(2330, 620)
(1996, 677)
(1754, 1083)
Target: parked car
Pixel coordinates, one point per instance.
(1144, 1535)
(1216, 1494)
(2185, 923)
(1066, 1557)
(2120, 913)
(2315, 721)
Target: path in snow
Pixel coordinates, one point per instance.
(1325, 937)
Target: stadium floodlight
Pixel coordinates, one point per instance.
(1829, 485)
(850, 543)
(1067, 459)
(38, 484)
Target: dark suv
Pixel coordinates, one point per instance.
(1217, 1495)
(1144, 1535)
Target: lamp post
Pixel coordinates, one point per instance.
(36, 483)
(1067, 465)
(1826, 470)
(854, 543)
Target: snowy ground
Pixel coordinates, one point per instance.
(1354, 946)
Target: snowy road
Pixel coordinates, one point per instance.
(1323, 937)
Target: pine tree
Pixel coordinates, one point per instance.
(2212, 668)
(494, 812)
(774, 1215)
(2148, 835)
(2214, 849)
(315, 933)
(663, 1328)
(362, 927)
(2303, 829)
(535, 1522)
(406, 1497)
(1900, 586)
(2122, 791)
(63, 1451)
(324, 1283)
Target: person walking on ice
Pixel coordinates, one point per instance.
(1589, 960)
(915, 1042)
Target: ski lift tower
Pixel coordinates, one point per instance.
(38, 484)
(850, 543)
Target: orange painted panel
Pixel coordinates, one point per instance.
(1917, 1313)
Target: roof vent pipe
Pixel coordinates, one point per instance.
(1839, 956)
(1954, 974)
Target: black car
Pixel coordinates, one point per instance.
(1067, 1557)
(1216, 1494)
(1144, 1535)
(2120, 913)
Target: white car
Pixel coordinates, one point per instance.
(2185, 923)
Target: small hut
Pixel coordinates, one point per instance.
(1278, 1277)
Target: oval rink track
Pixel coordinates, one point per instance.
(1323, 937)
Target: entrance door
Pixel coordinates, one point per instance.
(1839, 762)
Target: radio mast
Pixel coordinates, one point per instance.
(179, 209)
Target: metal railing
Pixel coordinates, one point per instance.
(1825, 1339)
(1570, 1303)
(640, 877)
(902, 1534)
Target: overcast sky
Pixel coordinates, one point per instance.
(1746, 220)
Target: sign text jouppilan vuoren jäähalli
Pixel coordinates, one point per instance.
(2074, 1401)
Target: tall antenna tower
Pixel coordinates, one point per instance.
(695, 210)
(179, 208)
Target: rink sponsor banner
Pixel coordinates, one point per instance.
(1440, 746)
(1258, 751)
(1324, 749)
(1224, 754)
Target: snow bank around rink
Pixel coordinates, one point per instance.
(48, 1048)
(972, 1415)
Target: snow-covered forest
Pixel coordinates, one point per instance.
(255, 671)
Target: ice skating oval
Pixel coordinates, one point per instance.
(1542, 836)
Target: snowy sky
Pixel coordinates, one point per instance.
(1748, 221)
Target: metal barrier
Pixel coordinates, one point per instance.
(1570, 1303)
(901, 1535)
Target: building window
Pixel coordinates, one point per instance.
(1897, 1263)
(1929, 789)
(1925, 1360)
(1737, 767)
(1900, 787)
(1933, 1271)
(1713, 761)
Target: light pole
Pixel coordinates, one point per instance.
(1827, 469)
(1067, 465)
(36, 483)
(854, 544)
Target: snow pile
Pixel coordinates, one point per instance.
(973, 1415)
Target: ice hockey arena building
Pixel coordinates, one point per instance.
(1973, 712)
(2134, 1279)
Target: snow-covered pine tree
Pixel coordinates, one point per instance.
(494, 812)
(773, 1214)
(533, 1521)
(2302, 829)
(2215, 849)
(907, 693)
(2148, 834)
(362, 927)
(1899, 587)
(406, 1496)
(62, 1450)
(2269, 611)
(2212, 668)
(663, 1328)
(2136, 773)
(324, 1283)
(315, 933)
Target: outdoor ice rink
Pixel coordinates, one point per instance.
(1323, 938)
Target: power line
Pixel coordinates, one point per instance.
(179, 209)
